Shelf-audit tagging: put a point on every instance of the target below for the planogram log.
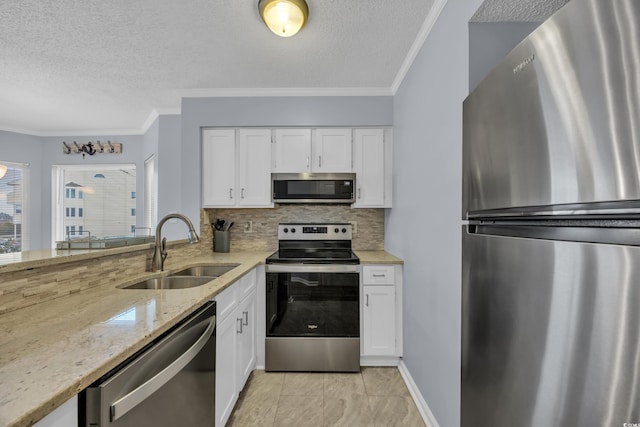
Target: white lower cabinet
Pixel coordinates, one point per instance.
(235, 343)
(381, 334)
(379, 320)
(65, 415)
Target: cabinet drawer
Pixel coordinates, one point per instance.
(246, 284)
(378, 275)
(226, 302)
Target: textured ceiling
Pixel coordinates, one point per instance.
(72, 66)
(517, 10)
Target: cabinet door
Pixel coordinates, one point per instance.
(369, 166)
(218, 167)
(226, 368)
(246, 339)
(331, 150)
(379, 315)
(254, 168)
(292, 151)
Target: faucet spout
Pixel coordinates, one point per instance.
(160, 251)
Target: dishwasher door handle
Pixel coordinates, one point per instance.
(142, 392)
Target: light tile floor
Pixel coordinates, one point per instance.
(375, 397)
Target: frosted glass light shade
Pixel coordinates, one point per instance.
(3, 170)
(284, 17)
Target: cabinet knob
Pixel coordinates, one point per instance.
(231, 193)
(239, 325)
(242, 193)
(319, 161)
(245, 314)
(366, 300)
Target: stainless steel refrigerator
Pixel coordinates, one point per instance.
(551, 227)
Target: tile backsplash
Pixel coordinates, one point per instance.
(369, 234)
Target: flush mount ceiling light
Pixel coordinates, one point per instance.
(284, 17)
(3, 171)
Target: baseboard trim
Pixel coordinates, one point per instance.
(427, 416)
(379, 360)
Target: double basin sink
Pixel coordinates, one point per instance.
(186, 278)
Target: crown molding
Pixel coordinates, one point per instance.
(425, 30)
(285, 92)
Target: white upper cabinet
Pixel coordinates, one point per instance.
(254, 175)
(320, 150)
(372, 165)
(331, 150)
(292, 151)
(236, 169)
(218, 167)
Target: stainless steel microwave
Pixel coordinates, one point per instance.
(313, 187)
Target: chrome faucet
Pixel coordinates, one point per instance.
(160, 251)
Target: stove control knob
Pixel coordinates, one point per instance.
(344, 230)
(293, 230)
(286, 230)
(335, 230)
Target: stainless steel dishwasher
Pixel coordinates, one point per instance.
(169, 383)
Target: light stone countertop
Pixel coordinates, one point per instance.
(377, 257)
(53, 350)
(46, 257)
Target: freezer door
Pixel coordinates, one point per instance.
(550, 333)
(557, 122)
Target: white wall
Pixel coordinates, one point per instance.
(424, 226)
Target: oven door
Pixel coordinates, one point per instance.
(313, 301)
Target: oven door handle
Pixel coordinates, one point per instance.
(311, 268)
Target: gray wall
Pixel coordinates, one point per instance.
(268, 112)
(424, 226)
(19, 148)
(489, 42)
(132, 153)
(43, 152)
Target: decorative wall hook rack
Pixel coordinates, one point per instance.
(90, 148)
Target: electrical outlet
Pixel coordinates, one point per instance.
(354, 227)
(248, 227)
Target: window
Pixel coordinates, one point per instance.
(133, 229)
(99, 200)
(150, 186)
(133, 194)
(13, 206)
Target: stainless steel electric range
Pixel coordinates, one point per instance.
(313, 300)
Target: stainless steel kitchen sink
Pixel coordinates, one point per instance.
(209, 270)
(171, 282)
